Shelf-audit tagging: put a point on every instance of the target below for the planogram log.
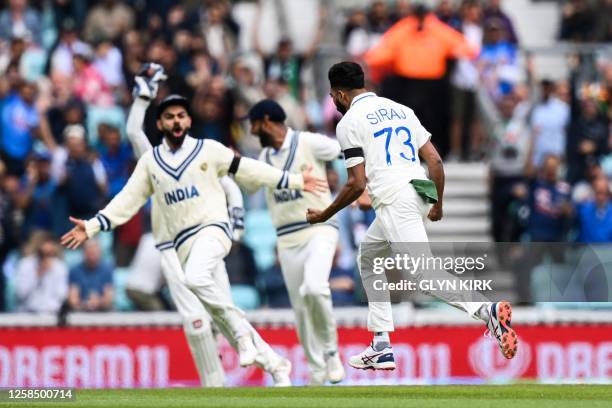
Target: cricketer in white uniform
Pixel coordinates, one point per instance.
(190, 212)
(196, 321)
(382, 141)
(305, 252)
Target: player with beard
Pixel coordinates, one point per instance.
(190, 216)
(383, 142)
(197, 326)
(305, 252)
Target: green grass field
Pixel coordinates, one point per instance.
(504, 396)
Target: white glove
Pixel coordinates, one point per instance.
(147, 81)
(237, 220)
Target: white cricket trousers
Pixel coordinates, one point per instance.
(401, 221)
(202, 288)
(306, 269)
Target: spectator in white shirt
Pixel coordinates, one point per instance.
(549, 122)
(109, 63)
(61, 57)
(42, 280)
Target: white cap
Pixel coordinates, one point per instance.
(82, 50)
(74, 131)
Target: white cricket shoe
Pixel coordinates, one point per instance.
(335, 369)
(371, 359)
(499, 327)
(317, 378)
(246, 350)
(281, 374)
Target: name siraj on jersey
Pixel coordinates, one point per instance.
(181, 194)
(282, 196)
(383, 114)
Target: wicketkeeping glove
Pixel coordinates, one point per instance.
(147, 81)
(237, 220)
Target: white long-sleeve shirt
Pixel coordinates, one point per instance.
(288, 207)
(188, 199)
(41, 293)
(141, 145)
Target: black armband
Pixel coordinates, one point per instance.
(233, 168)
(353, 152)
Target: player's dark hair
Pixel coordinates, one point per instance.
(172, 100)
(347, 75)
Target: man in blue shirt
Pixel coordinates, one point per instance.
(37, 195)
(117, 158)
(548, 204)
(549, 209)
(91, 282)
(82, 178)
(594, 217)
(19, 121)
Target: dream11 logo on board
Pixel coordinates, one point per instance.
(487, 361)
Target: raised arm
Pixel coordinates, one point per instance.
(137, 137)
(145, 89)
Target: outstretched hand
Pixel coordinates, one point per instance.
(76, 236)
(313, 184)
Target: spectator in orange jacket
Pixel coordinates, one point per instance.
(411, 60)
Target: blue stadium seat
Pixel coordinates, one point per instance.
(106, 245)
(245, 297)
(73, 258)
(260, 236)
(111, 115)
(121, 301)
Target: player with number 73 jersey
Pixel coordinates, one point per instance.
(390, 135)
(382, 141)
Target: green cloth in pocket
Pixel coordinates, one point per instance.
(426, 189)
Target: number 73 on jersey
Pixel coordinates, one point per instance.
(399, 132)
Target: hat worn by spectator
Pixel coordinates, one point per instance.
(83, 51)
(21, 34)
(74, 132)
(269, 108)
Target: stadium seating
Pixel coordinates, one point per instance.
(260, 237)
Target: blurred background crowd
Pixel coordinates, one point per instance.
(66, 74)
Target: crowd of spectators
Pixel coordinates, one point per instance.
(66, 72)
(586, 21)
(67, 68)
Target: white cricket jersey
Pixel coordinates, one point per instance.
(288, 206)
(188, 199)
(390, 135)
